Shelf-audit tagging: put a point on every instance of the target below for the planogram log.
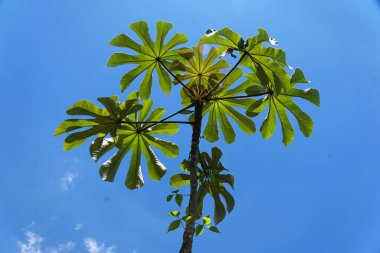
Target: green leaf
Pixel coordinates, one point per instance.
(279, 103)
(174, 213)
(85, 107)
(149, 56)
(120, 59)
(222, 105)
(134, 177)
(162, 30)
(169, 197)
(225, 126)
(179, 199)
(101, 146)
(202, 192)
(210, 132)
(216, 154)
(164, 79)
(199, 230)
(187, 218)
(130, 76)
(174, 225)
(156, 170)
(269, 124)
(227, 178)
(135, 135)
(298, 77)
(272, 71)
(230, 201)
(146, 85)
(200, 74)
(168, 148)
(146, 107)
(142, 30)
(206, 220)
(211, 181)
(244, 123)
(108, 169)
(258, 39)
(213, 229)
(304, 121)
(219, 210)
(225, 37)
(156, 114)
(165, 128)
(311, 95)
(102, 122)
(73, 124)
(179, 180)
(287, 129)
(257, 107)
(123, 40)
(275, 54)
(255, 90)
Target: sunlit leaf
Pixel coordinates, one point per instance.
(149, 56)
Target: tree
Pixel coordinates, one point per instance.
(208, 94)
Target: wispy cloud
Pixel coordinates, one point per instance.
(33, 244)
(66, 247)
(78, 226)
(92, 246)
(67, 181)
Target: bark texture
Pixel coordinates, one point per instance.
(188, 234)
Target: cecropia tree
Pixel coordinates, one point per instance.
(212, 92)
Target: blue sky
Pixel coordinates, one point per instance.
(319, 195)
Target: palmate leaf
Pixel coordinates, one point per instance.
(218, 108)
(200, 73)
(98, 122)
(281, 103)
(150, 56)
(211, 182)
(268, 60)
(137, 138)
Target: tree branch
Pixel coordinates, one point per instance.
(228, 73)
(168, 117)
(192, 208)
(175, 77)
(243, 96)
(158, 122)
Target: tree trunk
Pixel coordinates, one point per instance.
(188, 234)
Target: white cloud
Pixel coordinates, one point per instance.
(34, 241)
(78, 226)
(92, 246)
(65, 247)
(32, 245)
(67, 181)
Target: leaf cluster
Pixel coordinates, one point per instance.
(211, 181)
(260, 82)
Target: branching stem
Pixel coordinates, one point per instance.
(168, 117)
(188, 234)
(175, 77)
(158, 122)
(235, 97)
(228, 73)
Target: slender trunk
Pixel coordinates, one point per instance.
(188, 234)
